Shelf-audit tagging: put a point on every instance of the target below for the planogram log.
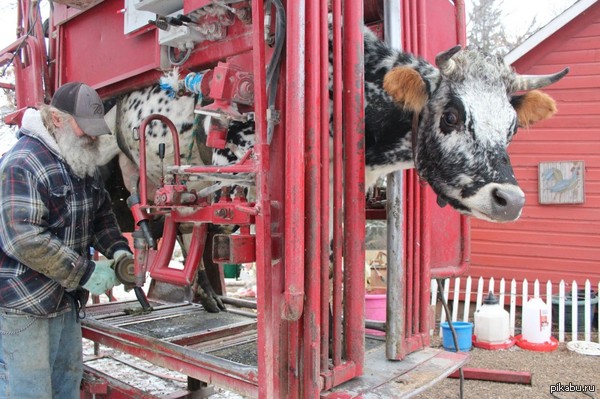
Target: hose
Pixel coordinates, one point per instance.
(274, 66)
(440, 295)
(178, 61)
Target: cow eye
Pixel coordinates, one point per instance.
(450, 120)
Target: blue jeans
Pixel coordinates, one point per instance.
(40, 358)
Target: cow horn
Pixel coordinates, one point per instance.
(532, 82)
(443, 60)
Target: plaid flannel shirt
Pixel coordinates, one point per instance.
(49, 219)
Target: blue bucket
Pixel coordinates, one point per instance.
(464, 334)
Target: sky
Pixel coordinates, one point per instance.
(518, 14)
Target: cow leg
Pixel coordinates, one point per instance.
(206, 295)
(204, 291)
(214, 273)
(128, 170)
(131, 175)
(211, 282)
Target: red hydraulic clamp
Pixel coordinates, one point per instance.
(226, 84)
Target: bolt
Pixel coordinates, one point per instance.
(222, 213)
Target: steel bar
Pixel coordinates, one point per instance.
(325, 186)
(337, 184)
(509, 376)
(294, 188)
(295, 156)
(311, 343)
(354, 183)
(268, 362)
(395, 306)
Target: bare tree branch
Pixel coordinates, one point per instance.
(487, 30)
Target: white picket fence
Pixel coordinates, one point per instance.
(461, 286)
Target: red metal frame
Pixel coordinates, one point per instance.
(354, 184)
(160, 269)
(337, 185)
(311, 344)
(27, 55)
(203, 367)
(294, 318)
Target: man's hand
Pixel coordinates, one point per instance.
(121, 254)
(124, 268)
(103, 278)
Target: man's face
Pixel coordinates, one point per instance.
(79, 150)
(78, 132)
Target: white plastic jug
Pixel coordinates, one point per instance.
(536, 322)
(492, 322)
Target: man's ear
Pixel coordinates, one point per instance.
(532, 107)
(57, 119)
(406, 87)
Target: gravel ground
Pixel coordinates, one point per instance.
(547, 369)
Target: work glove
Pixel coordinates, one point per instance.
(120, 254)
(103, 278)
(125, 273)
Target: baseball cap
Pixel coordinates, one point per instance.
(84, 104)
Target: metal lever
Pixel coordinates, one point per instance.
(161, 155)
(142, 299)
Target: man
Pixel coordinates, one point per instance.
(53, 208)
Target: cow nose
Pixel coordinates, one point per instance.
(507, 203)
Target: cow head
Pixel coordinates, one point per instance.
(467, 116)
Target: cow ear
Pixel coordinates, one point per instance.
(532, 107)
(406, 87)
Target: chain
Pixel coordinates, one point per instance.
(19, 330)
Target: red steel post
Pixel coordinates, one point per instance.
(354, 179)
(325, 185)
(461, 22)
(268, 357)
(294, 188)
(311, 342)
(337, 193)
(295, 152)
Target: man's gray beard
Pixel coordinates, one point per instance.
(80, 153)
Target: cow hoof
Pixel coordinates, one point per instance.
(208, 302)
(211, 303)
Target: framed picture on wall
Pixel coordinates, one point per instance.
(561, 182)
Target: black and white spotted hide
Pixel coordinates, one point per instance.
(129, 112)
(240, 139)
(137, 105)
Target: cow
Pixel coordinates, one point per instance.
(122, 147)
(451, 121)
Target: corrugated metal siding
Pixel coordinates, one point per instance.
(554, 241)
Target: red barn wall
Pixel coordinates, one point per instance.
(554, 241)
